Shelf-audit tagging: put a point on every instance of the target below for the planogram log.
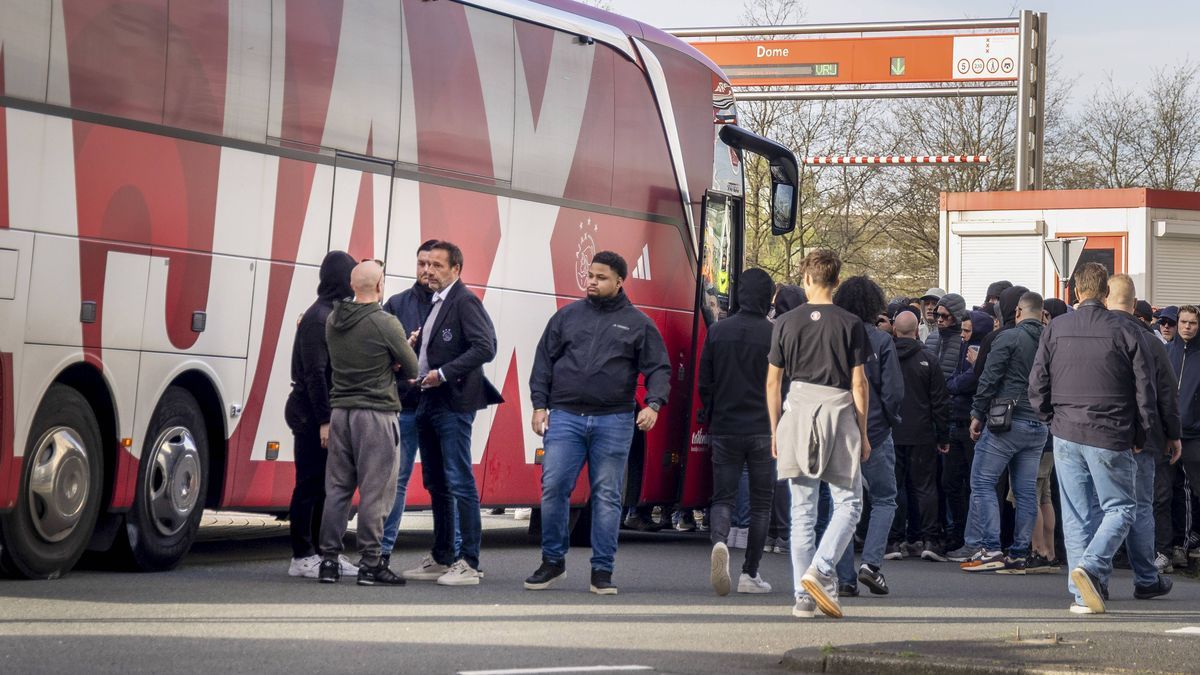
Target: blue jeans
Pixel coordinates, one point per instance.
(879, 482)
(1098, 504)
(1020, 451)
(408, 456)
(603, 442)
(847, 508)
(1140, 542)
(444, 439)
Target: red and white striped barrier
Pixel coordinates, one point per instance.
(897, 159)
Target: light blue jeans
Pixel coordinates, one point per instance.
(1098, 504)
(1140, 542)
(847, 508)
(879, 481)
(1020, 451)
(603, 442)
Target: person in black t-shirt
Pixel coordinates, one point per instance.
(820, 434)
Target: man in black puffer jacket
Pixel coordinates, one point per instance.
(307, 413)
(946, 341)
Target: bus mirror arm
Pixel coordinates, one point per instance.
(785, 174)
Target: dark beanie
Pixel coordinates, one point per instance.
(997, 287)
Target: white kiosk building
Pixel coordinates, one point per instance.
(1152, 235)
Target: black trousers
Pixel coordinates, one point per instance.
(308, 497)
(956, 480)
(781, 512)
(729, 455)
(916, 494)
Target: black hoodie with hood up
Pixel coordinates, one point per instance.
(733, 365)
(308, 404)
(925, 411)
(1009, 299)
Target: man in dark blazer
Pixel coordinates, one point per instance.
(454, 343)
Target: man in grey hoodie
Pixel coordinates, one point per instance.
(366, 347)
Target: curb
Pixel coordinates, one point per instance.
(825, 660)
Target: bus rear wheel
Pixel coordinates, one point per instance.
(59, 498)
(172, 482)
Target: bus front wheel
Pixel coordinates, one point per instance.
(48, 529)
(172, 482)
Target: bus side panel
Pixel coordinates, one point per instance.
(696, 490)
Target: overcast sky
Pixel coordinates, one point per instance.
(1090, 37)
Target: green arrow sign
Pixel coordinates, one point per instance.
(897, 66)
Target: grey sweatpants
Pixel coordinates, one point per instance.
(364, 452)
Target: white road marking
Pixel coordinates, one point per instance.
(565, 669)
(1187, 630)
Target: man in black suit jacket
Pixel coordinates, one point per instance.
(455, 342)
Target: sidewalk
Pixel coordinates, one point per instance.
(1087, 652)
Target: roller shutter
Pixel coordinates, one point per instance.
(989, 258)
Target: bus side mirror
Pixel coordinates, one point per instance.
(783, 207)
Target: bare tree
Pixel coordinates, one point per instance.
(1111, 136)
(1171, 142)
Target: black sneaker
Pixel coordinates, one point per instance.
(893, 552)
(1013, 565)
(1090, 590)
(1038, 564)
(381, 574)
(872, 578)
(385, 559)
(934, 551)
(330, 572)
(848, 591)
(602, 583)
(1154, 590)
(545, 576)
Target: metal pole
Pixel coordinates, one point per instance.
(870, 27)
(1025, 69)
(1039, 129)
(848, 94)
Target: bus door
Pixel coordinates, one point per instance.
(16, 258)
(721, 245)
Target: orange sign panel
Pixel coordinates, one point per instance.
(867, 60)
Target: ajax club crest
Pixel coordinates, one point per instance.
(585, 252)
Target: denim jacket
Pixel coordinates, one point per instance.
(1006, 373)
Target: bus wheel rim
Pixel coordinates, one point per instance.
(173, 480)
(59, 483)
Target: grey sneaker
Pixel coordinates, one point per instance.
(1162, 563)
(823, 589)
(961, 554)
(460, 574)
(428, 570)
(804, 608)
(718, 573)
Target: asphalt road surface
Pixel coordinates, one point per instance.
(232, 608)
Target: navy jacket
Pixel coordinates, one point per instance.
(460, 342)
(590, 354)
(887, 386)
(411, 307)
(1166, 399)
(1092, 380)
(1185, 361)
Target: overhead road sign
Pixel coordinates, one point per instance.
(872, 60)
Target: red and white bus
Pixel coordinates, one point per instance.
(172, 173)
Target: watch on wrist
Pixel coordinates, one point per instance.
(655, 406)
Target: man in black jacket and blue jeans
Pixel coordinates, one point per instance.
(1093, 381)
(1005, 378)
(733, 396)
(583, 388)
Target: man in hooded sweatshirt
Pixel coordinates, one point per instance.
(366, 348)
(923, 432)
(1007, 306)
(1017, 448)
(946, 341)
(733, 390)
(956, 464)
(864, 298)
(307, 414)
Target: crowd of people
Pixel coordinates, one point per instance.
(845, 430)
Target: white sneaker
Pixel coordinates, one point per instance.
(522, 514)
(737, 537)
(307, 567)
(719, 568)
(460, 574)
(428, 570)
(1077, 608)
(347, 566)
(753, 584)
